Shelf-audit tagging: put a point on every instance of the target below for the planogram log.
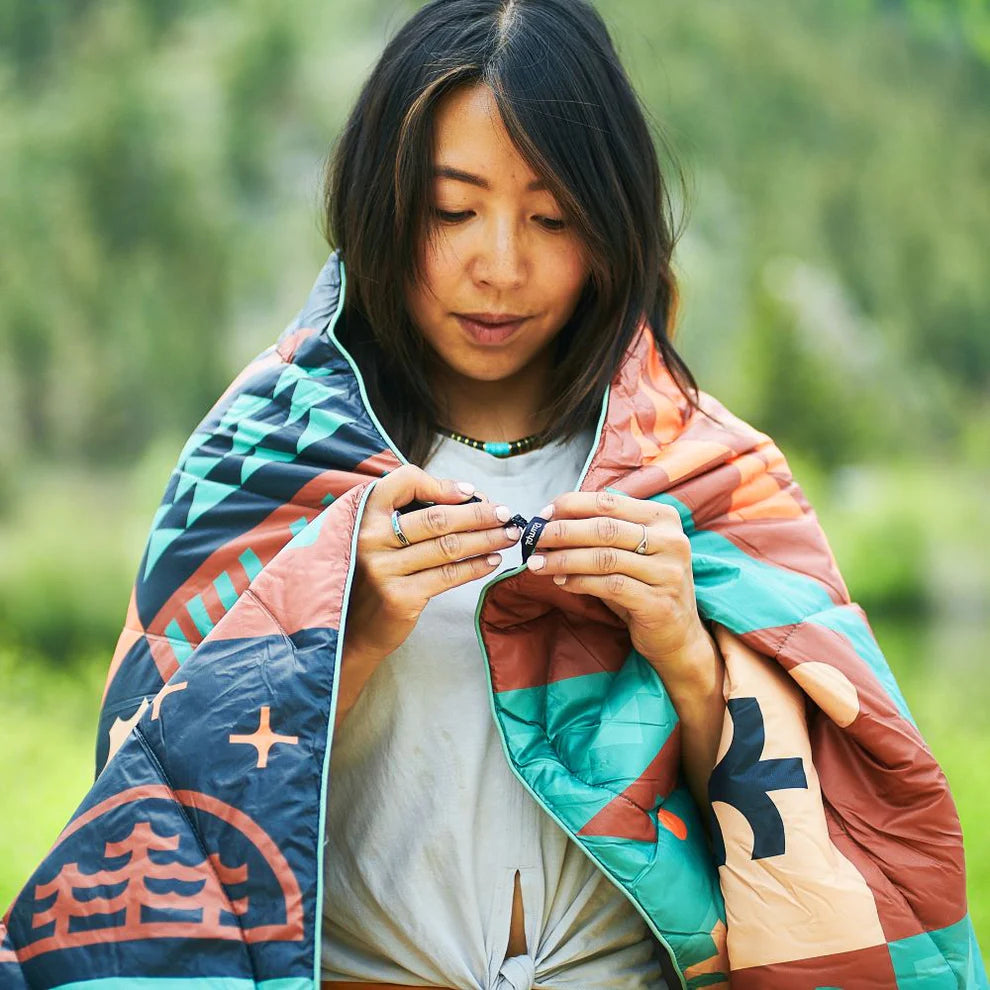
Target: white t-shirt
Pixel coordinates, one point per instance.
(427, 825)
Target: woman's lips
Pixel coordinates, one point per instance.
(484, 332)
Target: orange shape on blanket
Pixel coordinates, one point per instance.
(263, 738)
(758, 494)
(672, 823)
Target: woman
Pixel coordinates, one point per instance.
(346, 746)
(501, 271)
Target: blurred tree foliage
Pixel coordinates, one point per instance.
(159, 198)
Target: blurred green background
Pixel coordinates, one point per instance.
(159, 204)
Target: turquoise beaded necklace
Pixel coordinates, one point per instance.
(497, 448)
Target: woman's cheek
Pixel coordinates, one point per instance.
(442, 256)
(571, 268)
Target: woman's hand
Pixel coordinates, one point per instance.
(449, 544)
(589, 547)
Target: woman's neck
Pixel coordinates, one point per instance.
(493, 410)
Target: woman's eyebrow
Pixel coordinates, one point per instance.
(449, 172)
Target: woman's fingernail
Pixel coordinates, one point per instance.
(559, 578)
(536, 561)
(546, 512)
(466, 487)
(513, 533)
(494, 558)
(503, 513)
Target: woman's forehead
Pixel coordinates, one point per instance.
(471, 143)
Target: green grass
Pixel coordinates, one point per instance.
(47, 738)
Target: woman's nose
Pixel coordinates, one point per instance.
(500, 256)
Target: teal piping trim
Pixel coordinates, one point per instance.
(338, 656)
(357, 373)
(318, 923)
(598, 438)
(501, 735)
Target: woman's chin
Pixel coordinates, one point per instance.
(488, 373)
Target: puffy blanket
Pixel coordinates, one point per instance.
(835, 857)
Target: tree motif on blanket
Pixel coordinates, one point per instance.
(744, 780)
(149, 892)
(140, 884)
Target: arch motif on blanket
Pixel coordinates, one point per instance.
(141, 889)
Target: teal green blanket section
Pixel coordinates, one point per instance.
(522, 714)
(678, 884)
(604, 728)
(610, 735)
(941, 960)
(577, 744)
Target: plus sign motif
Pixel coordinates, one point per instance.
(742, 779)
(263, 738)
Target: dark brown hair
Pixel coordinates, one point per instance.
(570, 110)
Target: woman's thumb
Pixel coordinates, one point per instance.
(413, 484)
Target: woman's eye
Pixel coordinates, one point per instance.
(459, 216)
(452, 216)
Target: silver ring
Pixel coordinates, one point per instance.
(643, 546)
(397, 529)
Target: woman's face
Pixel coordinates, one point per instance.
(502, 271)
